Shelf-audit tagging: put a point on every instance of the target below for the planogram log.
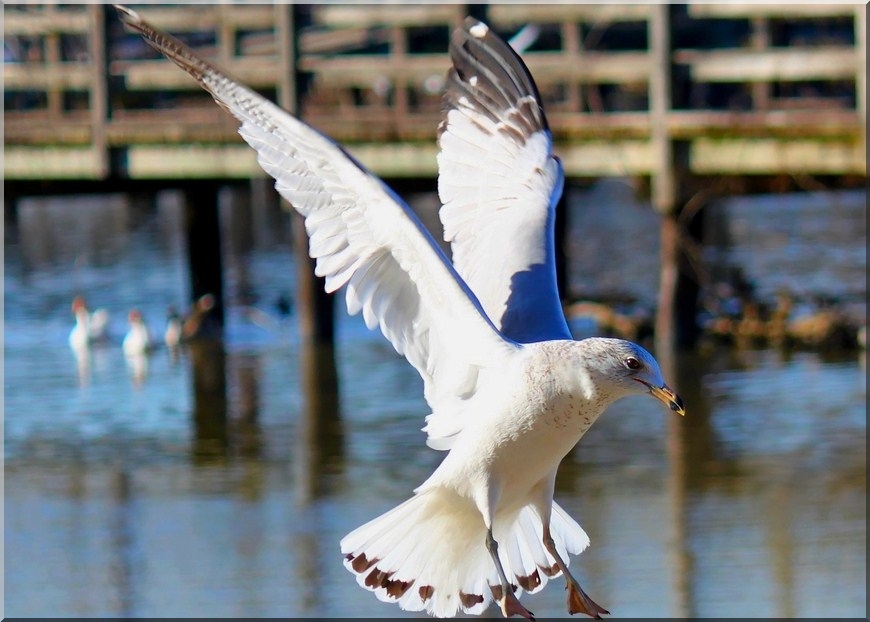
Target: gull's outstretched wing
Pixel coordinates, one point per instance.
(362, 236)
(499, 184)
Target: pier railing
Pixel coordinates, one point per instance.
(640, 90)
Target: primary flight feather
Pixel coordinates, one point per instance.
(510, 392)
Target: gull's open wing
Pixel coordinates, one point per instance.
(499, 184)
(361, 234)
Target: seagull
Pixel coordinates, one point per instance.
(510, 391)
(90, 327)
(138, 340)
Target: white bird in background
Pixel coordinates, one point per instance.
(173, 330)
(510, 391)
(90, 327)
(137, 346)
(137, 341)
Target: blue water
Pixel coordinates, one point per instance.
(119, 501)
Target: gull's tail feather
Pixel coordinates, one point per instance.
(428, 553)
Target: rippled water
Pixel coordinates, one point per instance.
(137, 499)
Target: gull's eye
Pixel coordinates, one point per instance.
(632, 363)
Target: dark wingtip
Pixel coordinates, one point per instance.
(127, 15)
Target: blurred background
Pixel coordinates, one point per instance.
(715, 211)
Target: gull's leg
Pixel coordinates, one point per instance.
(578, 601)
(510, 604)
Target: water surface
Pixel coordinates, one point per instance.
(133, 498)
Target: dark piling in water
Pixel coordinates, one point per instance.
(205, 260)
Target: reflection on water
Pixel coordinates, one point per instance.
(221, 484)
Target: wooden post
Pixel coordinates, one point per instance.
(285, 20)
(663, 191)
(760, 42)
(314, 306)
(205, 261)
(663, 183)
(237, 220)
(677, 305)
(398, 55)
(477, 11)
(226, 35)
(52, 58)
(265, 203)
(99, 92)
(861, 67)
(573, 46)
(208, 357)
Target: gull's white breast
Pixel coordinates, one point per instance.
(524, 418)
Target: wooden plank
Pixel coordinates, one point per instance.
(568, 126)
(206, 17)
(332, 41)
(371, 124)
(335, 16)
(606, 158)
(725, 156)
(734, 10)
(42, 77)
(397, 159)
(255, 71)
(25, 162)
(36, 127)
(364, 71)
(36, 22)
(686, 124)
(520, 14)
(174, 126)
(547, 67)
(192, 161)
(597, 67)
(787, 64)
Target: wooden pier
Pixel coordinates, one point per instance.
(630, 90)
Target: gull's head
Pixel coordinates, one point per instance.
(630, 370)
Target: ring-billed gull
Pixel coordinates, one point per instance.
(510, 391)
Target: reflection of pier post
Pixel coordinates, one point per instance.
(781, 542)
(319, 452)
(247, 425)
(676, 486)
(208, 365)
(123, 543)
(691, 446)
(320, 437)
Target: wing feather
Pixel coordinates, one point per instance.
(499, 183)
(361, 235)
